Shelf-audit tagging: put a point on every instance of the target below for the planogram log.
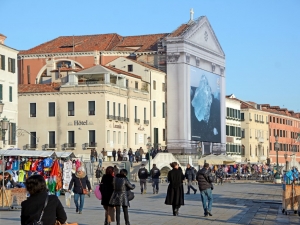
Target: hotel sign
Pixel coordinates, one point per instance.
(80, 123)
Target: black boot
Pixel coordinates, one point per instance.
(127, 223)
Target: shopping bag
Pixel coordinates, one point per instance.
(66, 223)
(68, 199)
(111, 212)
(98, 192)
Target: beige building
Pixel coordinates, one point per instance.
(256, 131)
(234, 133)
(99, 107)
(8, 96)
(157, 90)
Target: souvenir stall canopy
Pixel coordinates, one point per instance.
(65, 155)
(25, 153)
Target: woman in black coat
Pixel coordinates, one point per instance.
(175, 193)
(80, 182)
(33, 206)
(119, 197)
(106, 189)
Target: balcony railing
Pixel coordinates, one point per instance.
(32, 115)
(120, 118)
(146, 122)
(110, 117)
(137, 121)
(31, 146)
(70, 145)
(126, 120)
(71, 113)
(50, 145)
(91, 145)
(91, 112)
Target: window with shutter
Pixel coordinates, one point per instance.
(13, 66)
(1, 98)
(71, 111)
(32, 109)
(51, 109)
(91, 108)
(2, 62)
(9, 64)
(10, 94)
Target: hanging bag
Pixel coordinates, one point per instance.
(40, 222)
(97, 192)
(84, 191)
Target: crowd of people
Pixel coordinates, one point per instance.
(130, 155)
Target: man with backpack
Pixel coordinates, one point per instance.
(155, 174)
(205, 180)
(143, 175)
(190, 176)
(220, 176)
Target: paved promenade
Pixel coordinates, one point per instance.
(235, 203)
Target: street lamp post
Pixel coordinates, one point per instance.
(149, 148)
(277, 175)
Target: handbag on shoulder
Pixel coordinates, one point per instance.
(130, 195)
(66, 223)
(84, 191)
(40, 222)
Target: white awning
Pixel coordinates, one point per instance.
(27, 153)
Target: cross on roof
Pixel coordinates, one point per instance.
(191, 14)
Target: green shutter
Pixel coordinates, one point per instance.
(3, 62)
(1, 98)
(13, 65)
(10, 93)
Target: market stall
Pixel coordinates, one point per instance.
(20, 164)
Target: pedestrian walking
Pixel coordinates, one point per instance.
(143, 175)
(137, 156)
(114, 153)
(155, 174)
(104, 153)
(79, 183)
(107, 189)
(39, 198)
(205, 180)
(190, 176)
(130, 156)
(220, 176)
(119, 155)
(93, 155)
(98, 174)
(116, 169)
(121, 186)
(100, 159)
(175, 194)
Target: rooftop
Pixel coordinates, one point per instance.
(104, 42)
(38, 88)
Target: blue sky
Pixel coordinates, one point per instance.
(261, 39)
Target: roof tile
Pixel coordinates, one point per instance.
(38, 88)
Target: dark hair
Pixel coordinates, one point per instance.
(35, 184)
(109, 170)
(206, 165)
(173, 164)
(154, 164)
(123, 172)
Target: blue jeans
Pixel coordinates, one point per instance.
(76, 198)
(100, 163)
(206, 195)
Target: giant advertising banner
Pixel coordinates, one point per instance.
(205, 106)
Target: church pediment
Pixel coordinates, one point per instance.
(202, 34)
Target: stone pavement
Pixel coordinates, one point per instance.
(234, 203)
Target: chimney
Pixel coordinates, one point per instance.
(2, 39)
